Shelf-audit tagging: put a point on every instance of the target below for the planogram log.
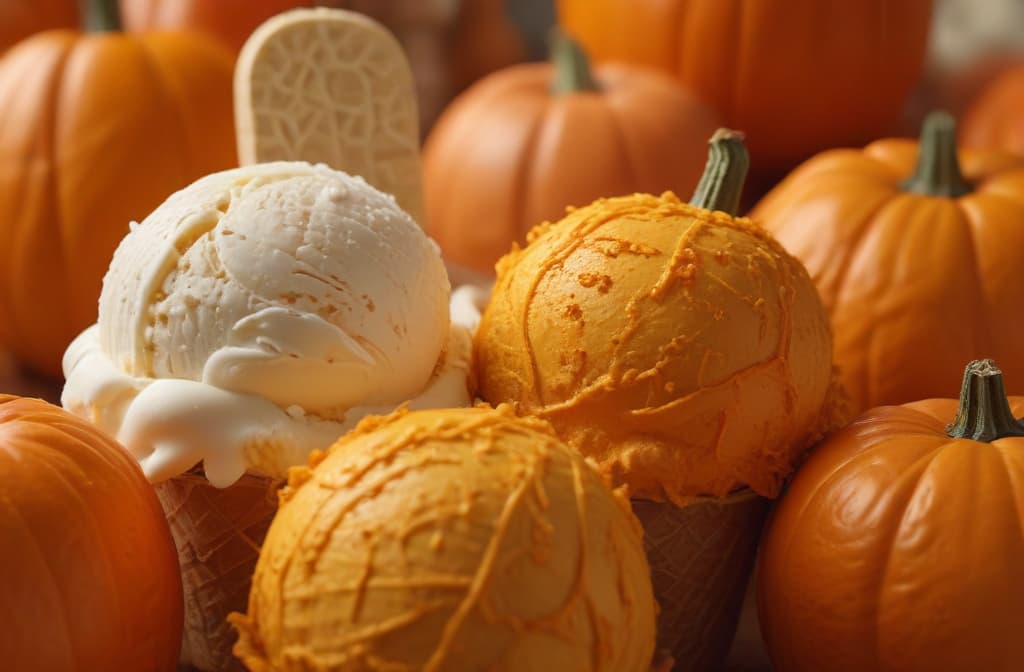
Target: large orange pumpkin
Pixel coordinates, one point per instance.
(796, 76)
(995, 120)
(231, 21)
(916, 268)
(88, 574)
(95, 131)
(21, 18)
(523, 143)
(898, 545)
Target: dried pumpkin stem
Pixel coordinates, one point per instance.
(101, 16)
(721, 184)
(984, 413)
(938, 168)
(572, 67)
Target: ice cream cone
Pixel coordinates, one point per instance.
(701, 556)
(331, 86)
(218, 532)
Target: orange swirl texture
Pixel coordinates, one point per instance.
(682, 349)
(449, 540)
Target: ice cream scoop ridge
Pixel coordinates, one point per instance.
(257, 315)
(681, 348)
(451, 539)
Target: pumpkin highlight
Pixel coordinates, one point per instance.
(89, 574)
(914, 249)
(793, 76)
(95, 131)
(898, 544)
(523, 143)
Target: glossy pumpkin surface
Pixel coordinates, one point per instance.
(916, 271)
(793, 76)
(95, 131)
(898, 547)
(89, 573)
(510, 153)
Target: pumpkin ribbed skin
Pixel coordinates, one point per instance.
(89, 574)
(95, 131)
(796, 76)
(898, 548)
(508, 154)
(909, 280)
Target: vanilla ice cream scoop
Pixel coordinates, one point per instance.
(257, 315)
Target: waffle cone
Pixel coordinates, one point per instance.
(701, 556)
(218, 533)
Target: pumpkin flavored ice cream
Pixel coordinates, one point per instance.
(450, 540)
(686, 353)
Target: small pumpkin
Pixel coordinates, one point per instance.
(95, 131)
(995, 119)
(898, 544)
(89, 574)
(231, 21)
(915, 265)
(525, 142)
(21, 18)
(793, 77)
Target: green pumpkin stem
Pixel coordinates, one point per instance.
(721, 184)
(984, 413)
(938, 168)
(572, 67)
(100, 16)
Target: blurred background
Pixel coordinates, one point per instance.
(964, 48)
(452, 43)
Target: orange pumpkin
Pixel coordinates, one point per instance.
(21, 18)
(794, 77)
(995, 120)
(915, 268)
(523, 143)
(231, 21)
(89, 574)
(95, 131)
(898, 545)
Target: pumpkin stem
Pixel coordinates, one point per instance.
(101, 16)
(938, 169)
(721, 184)
(572, 67)
(984, 413)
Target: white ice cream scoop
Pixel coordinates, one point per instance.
(257, 314)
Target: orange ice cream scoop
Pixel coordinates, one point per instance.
(451, 540)
(679, 347)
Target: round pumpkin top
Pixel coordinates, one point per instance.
(898, 543)
(900, 237)
(89, 574)
(461, 539)
(681, 348)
